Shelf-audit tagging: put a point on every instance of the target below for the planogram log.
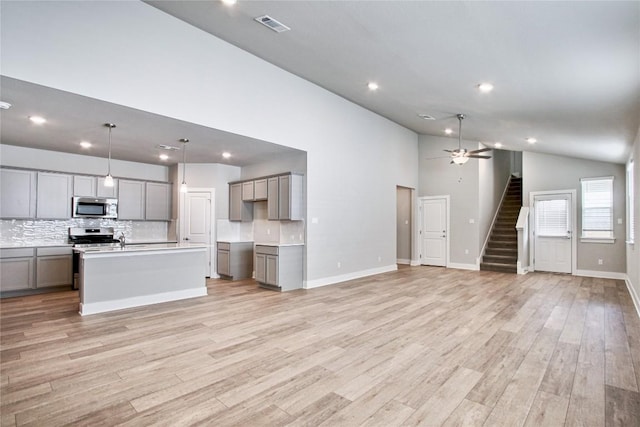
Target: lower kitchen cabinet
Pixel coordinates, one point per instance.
(235, 260)
(279, 267)
(54, 267)
(16, 269)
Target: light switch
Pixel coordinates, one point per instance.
(314, 220)
(472, 221)
(619, 220)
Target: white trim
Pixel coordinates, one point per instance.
(608, 241)
(634, 296)
(104, 306)
(520, 269)
(600, 274)
(447, 199)
(574, 225)
(460, 266)
(310, 284)
(403, 261)
(415, 262)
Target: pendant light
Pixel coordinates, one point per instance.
(460, 159)
(183, 186)
(108, 180)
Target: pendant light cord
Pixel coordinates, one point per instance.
(109, 162)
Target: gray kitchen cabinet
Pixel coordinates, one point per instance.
(279, 267)
(260, 189)
(102, 191)
(234, 260)
(54, 195)
(158, 201)
(272, 198)
(53, 267)
(16, 269)
(285, 198)
(131, 199)
(247, 191)
(84, 185)
(239, 210)
(18, 193)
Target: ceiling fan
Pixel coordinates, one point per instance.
(460, 156)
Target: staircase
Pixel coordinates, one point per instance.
(501, 253)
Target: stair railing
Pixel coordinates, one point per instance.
(522, 227)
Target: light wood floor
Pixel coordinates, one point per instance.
(421, 346)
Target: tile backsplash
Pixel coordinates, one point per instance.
(14, 231)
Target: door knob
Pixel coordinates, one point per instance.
(186, 238)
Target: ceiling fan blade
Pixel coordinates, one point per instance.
(475, 156)
(449, 151)
(481, 150)
(436, 158)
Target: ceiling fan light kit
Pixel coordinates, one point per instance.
(460, 156)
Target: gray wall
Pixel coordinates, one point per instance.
(355, 157)
(544, 172)
(404, 224)
(633, 251)
(438, 177)
(293, 162)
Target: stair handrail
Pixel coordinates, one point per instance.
(522, 228)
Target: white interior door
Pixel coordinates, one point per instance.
(552, 231)
(434, 232)
(197, 223)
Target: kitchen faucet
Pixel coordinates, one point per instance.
(122, 240)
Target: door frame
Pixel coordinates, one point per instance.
(181, 231)
(574, 225)
(447, 201)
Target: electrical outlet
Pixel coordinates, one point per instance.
(339, 264)
(472, 221)
(466, 251)
(600, 262)
(379, 259)
(268, 231)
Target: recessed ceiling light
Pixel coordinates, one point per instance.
(448, 131)
(485, 87)
(37, 120)
(226, 154)
(532, 140)
(85, 144)
(4, 105)
(497, 145)
(163, 156)
(229, 2)
(373, 86)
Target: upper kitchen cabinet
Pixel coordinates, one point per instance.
(247, 191)
(84, 185)
(260, 189)
(285, 198)
(131, 199)
(18, 195)
(158, 201)
(102, 191)
(54, 195)
(239, 210)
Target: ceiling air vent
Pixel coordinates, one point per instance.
(167, 147)
(426, 117)
(268, 21)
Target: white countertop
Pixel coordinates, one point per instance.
(279, 244)
(129, 249)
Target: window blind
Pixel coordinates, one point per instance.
(597, 207)
(552, 217)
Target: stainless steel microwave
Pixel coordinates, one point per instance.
(95, 207)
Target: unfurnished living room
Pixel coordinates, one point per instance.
(311, 213)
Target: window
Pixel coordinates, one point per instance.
(630, 205)
(552, 218)
(597, 208)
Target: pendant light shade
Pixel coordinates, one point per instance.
(183, 186)
(108, 180)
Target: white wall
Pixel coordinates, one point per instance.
(544, 172)
(132, 54)
(31, 158)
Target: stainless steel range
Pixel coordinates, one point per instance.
(88, 238)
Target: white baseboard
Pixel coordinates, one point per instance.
(415, 262)
(310, 284)
(634, 296)
(403, 261)
(600, 274)
(104, 306)
(474, 267)
(520, 269)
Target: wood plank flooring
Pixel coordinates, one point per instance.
(420, 346)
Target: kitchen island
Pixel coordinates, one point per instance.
(114, 278)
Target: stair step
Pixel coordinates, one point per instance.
(505, 245)
(501, 251)
(500, 259)
(499, 267)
